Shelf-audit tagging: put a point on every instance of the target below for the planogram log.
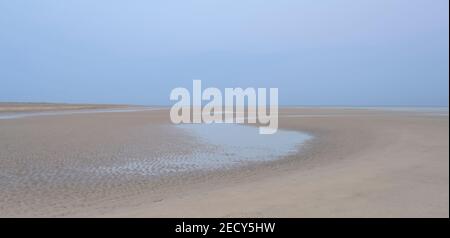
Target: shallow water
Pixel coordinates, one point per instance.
(245, 142)
(216, 146)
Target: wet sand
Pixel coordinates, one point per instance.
(360, 163)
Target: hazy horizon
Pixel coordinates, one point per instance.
(330, 53)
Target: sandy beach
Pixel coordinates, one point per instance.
(360, 162)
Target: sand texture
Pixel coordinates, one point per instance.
(360, 163)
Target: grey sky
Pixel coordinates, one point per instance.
(346, 52)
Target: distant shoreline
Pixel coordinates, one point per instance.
(13, 107)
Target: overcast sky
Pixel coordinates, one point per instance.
(330, 52)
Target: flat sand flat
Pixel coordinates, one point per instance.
(360, 163)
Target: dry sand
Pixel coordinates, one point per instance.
(361, 163)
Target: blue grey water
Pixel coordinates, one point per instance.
(215, 146)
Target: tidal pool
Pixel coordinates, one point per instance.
(215, 146)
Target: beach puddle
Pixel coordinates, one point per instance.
(245, 142)
(215, 146)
